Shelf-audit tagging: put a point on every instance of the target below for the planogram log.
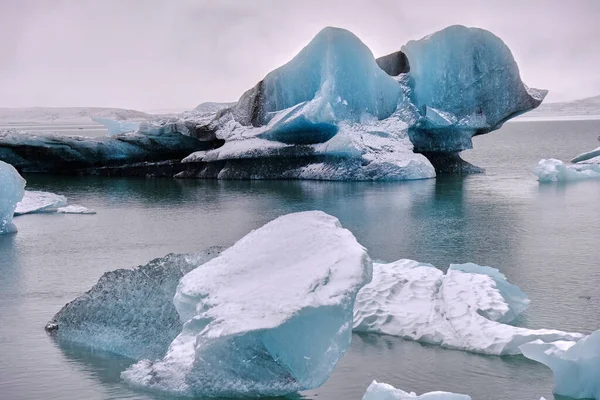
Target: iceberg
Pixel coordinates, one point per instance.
(51, 152)
(467, 308)
(464, 82)
(116, 127)
(74, 209)
(271, 315)
(553, 170)
(589, 157)
(40, 202)
(330, 113)
(129, 312)
(12, 188)
(575, 364)
(383, 391)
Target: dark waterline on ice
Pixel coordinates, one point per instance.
(544, 238)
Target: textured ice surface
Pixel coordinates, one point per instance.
(383, 391)
(116, 127)
(469, 74)
(129, 311)
(271, 315)
(12, 187)
(590, 156)
(67, 115)
(74, 209)
(36, 202)
(553, 170)
(576, 365)
(463, 309)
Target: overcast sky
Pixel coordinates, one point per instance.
(174, 54)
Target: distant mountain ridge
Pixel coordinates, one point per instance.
(67, 114)
(581, 107)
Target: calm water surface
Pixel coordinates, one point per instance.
(545, 238)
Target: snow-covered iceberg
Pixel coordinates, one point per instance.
(271, 315)
(464, 82)
(467, 308)
(117, 127)
(329, 113)
(40, 202)
(575, 364)
(383, 391)
(12, 188)
(553, 170)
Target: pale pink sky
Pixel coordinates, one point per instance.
(163, 54)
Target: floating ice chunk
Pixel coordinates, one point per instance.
(588, 156)
(12, 187)
(458, 310)
(40, 202)
(471, 74)
(129, 311)
(553, 170)
(74, 209)
(383, 391)
(271, 315)
(117, 127)
(576, 365)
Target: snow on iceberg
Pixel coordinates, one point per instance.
(575, 364)
(12, 187)
(469, 76)
(271, 315)
(129, 311)
(465, 309)
(330, 113)
(553, 170)
(383, 391)
(39, 202)
(117, 127)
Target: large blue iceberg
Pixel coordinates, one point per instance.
(12, 188)
(575, 364)
(464, 82)
(333, 112)
(330, 113)
(269, 316)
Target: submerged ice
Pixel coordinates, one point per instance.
(467, 308)
(271, 315)
(383, 391)
(12, 188)
(575, 364)
(553, 170)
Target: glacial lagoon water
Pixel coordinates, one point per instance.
(545, 238)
